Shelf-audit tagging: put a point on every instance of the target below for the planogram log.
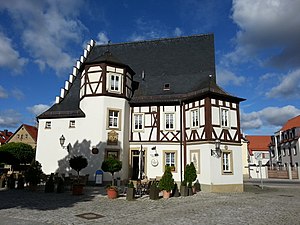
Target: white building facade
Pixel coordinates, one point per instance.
(150, 104)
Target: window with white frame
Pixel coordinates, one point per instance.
(72, 124)
(138, 121)
(227, 162)
(224, 117)
(48, 125)
(194, 118)
(169, 121)
(113, 120)
(115, 82)
(170, 160)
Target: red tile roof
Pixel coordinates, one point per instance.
(291, 123)
(4, 136)
(258, 143)
(32, 131)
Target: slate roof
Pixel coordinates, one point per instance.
(291, 123)
(185, 63)
(258, 143)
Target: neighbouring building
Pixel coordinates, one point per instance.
(4, 136)
(258, 151)
(26, 134)
(284, 149)
(150, 104)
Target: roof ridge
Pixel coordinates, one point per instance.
(156, 40)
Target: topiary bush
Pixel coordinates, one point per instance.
(166, 182)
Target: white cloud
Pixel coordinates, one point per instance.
(38, 109)
(270, 116)
(102, 38)
(269, 24)
(3, 92)
(10, 118)
(226, 77)
(289, 86)
(9, 57)
(177, 32)
(18, 94)
(47, 27)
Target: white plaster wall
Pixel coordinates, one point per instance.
(88, 132)
(216, 166)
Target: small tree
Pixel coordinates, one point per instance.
(78, 163)
(111, 165)
(166, 182)
(190, 174)
(34, 173)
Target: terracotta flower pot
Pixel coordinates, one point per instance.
(166, 194)
(112, 193)
(77, 189)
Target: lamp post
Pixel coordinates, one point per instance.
(217, 151)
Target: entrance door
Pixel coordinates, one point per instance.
(135, 164)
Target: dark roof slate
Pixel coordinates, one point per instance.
(187, 64)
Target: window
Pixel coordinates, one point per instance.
(169, 121)
(115, 83)
(113, 120)
(227, 162)
(72, 124)
(48, 125)
(194, 118)
(170, 160)
(114, 153)
(138, 121)
(224, 118)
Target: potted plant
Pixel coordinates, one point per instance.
(166, 183)
(77, 163)
(111, 165)
(130, 194)
(196, 187)
(154, 191)
(183, 188)
(49, 186)
(190, 176)
(33, 175)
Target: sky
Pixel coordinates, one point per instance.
(257, 49)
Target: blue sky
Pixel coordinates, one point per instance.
(257, 49)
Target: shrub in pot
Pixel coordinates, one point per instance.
(183, 188)
(154, 191)
(111, 165)
(190, 176)
(33, 175)
(49, 186)
(130, 194)
(78, 163)
(166, 183)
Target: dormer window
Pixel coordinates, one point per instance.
(166, 87)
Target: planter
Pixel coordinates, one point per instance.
(154, 191)
(183, 190)
(112, 193)
(166, 194)
(130, 194)
(77, 189)
(190, 191)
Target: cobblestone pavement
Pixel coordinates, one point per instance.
(254, 206)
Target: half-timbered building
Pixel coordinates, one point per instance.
(150, 104)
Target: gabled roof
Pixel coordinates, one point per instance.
(291, 123)
(4, 136)
(31, 130)
(186, 64)
(258, 143)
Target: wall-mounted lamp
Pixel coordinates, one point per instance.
(217, 151)
(62, 140)
(154, 149)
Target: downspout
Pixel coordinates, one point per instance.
(181, 169)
